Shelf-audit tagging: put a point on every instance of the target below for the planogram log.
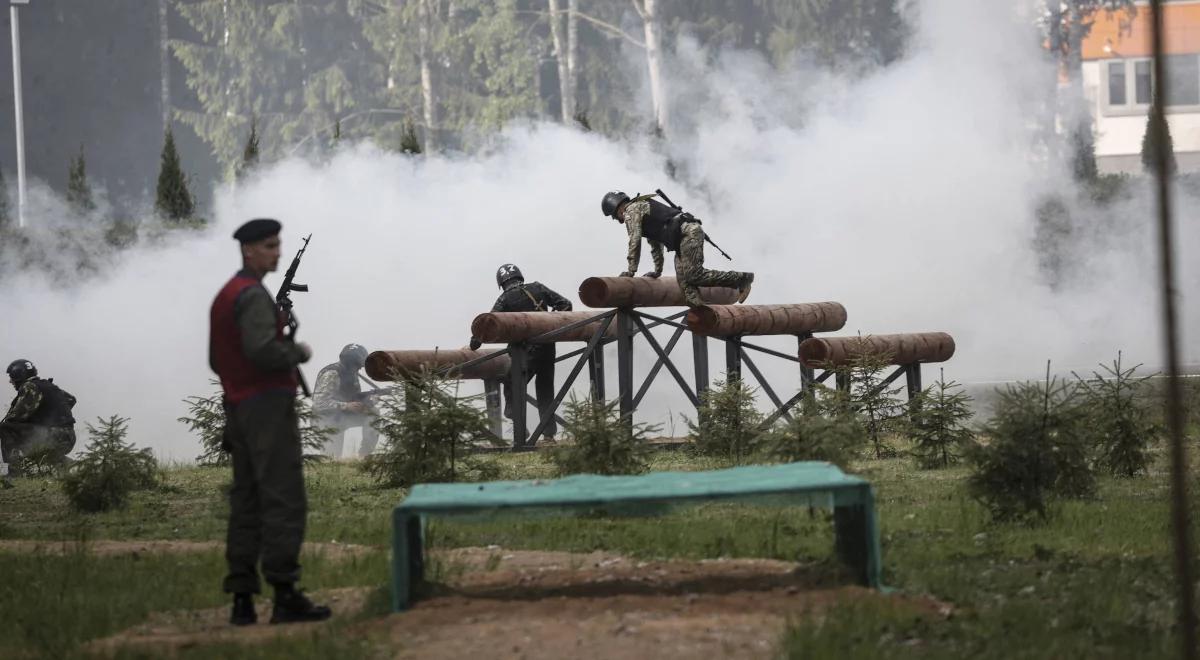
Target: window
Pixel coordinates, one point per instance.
(1142, 82)
(1130, 83)
(1116, 83)
(1184, 73)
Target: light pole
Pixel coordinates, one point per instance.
(20, 115)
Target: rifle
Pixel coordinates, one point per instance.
(660, 193)
(283, 302)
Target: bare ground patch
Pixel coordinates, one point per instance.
(497, 603)
(106, 548)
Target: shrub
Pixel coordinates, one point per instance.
(876, 404)
(824, 432)
(426, 429)
(600, 441)
(206, 418)
(109, 470)
(938, 423)
(1037, 449)
(1120, 423)
(727, 423)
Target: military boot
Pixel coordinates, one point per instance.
(243, 613)
(744, 287)
(292, 606)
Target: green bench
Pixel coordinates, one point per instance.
(813, 483)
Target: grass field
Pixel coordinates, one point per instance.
(1093, 581)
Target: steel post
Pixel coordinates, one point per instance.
(700, 358)
(733, 359)
(596, 373)
(491, 390)
(912, 378)
(516, 402)
(625, 365)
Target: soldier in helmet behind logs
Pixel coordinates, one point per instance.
(676, 230)
(339, 399)
(39, 419)
(517, 296)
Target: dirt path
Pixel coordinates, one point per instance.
(496, 603)
(119, 548)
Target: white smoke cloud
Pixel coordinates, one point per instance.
(905, 195)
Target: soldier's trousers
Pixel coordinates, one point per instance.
(540, 364)
(20, 439)
(267, 505)
(340, 422)
(690, 270)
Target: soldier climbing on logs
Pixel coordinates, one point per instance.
(518, 296)
(668, 226)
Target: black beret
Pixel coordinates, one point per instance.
(257, 229)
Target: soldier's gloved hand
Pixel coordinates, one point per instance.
(654, 274)
(475, 343)
(356, 407)
(626, 274)
(305, 351)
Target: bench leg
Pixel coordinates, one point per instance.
(857, 539)
(408, 559)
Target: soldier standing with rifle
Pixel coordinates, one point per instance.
(258, 366)
(669, 226)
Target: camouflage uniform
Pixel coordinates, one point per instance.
(336, 388)
(689, 258)
(38, 418)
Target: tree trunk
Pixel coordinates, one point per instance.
(560, 58)
(648, 10)
(164, 64)
(428, 97)
(572, 56)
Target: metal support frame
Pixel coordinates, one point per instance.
(630, 323)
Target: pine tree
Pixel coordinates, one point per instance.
(173, 201)
(938, 422)
(249, 152)
(1150, 147)
(79, 192)
(1120, 420)
(1083, 154)
(1037, 449)
(727, 423)
(876, 404)
(408, 139)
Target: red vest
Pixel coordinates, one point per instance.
(240, 377)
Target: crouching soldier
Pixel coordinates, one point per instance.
(39, 421)
(339, 400)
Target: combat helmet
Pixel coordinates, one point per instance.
(506, 273)
(353, 355)
(20, 371)
(611, 202)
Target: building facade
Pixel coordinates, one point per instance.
(1118, 84)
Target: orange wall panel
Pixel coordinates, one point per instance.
(1131, 38)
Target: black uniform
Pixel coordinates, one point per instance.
(534, 297)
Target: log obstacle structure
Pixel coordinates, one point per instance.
(399, 365)
(646, 292)
(622, 319)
